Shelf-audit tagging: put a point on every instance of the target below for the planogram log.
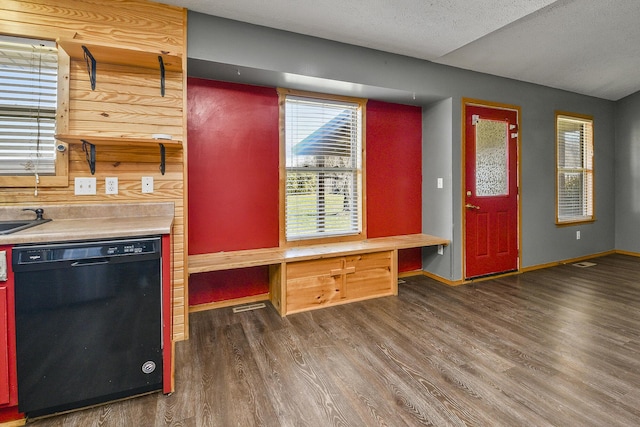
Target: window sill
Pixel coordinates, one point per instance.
(576, 222)
(30, 181)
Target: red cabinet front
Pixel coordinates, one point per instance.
(8, 376)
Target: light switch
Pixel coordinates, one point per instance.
(85, 186)
(440, 183)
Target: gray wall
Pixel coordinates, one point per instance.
(437, 161)
(233, 51)
(627, 167)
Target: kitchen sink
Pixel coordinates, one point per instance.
(8, 227)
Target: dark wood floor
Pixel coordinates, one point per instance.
(559, 346)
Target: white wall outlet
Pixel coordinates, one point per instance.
(147, 184)
(440, 249)
(578, 235)
(111, 185)
(85, 186)
(439, 183)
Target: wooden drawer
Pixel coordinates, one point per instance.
(319, 283)
(372, 276)
(312, 284)
(298, 271)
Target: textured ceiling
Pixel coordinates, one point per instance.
(585, 46)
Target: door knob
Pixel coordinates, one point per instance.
(470, 206)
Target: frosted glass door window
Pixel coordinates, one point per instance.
(491, 158)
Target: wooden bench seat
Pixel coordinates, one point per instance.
(323, 287)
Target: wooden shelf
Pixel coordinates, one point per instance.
(94, 53)
(408, 241)
(254, 257)
(235, 259)
(117, 140)
(116, 54)
(94, 141)
(304, 253)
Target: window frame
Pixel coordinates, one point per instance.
(588, 190)
(361, 234)
(61, 177)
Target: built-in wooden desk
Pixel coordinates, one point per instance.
(315, 276)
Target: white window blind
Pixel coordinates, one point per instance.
(574, 169)
(323, 148)
(28, 91)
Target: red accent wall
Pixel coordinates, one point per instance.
(233, 165)
(394, 175)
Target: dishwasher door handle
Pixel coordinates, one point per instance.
(90, 262)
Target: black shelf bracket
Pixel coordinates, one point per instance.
(162, 159)
(91, 66)
(161, 75)
(90, 154)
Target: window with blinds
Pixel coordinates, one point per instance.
(574, 153)
(28, 100)
(323, 155)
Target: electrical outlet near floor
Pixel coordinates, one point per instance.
(147, 184)
(84, 186)
(578, 235)
(111, 185)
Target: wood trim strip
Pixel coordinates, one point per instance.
(442, 279)
(567, 261)
(629, 253)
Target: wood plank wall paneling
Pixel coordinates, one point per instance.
(126, 102)
(135, 23)
(128, 105)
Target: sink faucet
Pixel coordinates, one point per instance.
(39, 212)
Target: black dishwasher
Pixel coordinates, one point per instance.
(88, 323)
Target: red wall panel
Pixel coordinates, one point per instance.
(394, 175)
(228, 284)
(233, 166)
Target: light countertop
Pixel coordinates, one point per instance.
(85, 222)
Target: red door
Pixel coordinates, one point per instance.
(491, 190)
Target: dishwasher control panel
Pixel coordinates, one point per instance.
(84, 250)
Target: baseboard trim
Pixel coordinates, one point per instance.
(635, 254)
(442, 279)
(567, 261)
(409, 273)
(530, 268)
